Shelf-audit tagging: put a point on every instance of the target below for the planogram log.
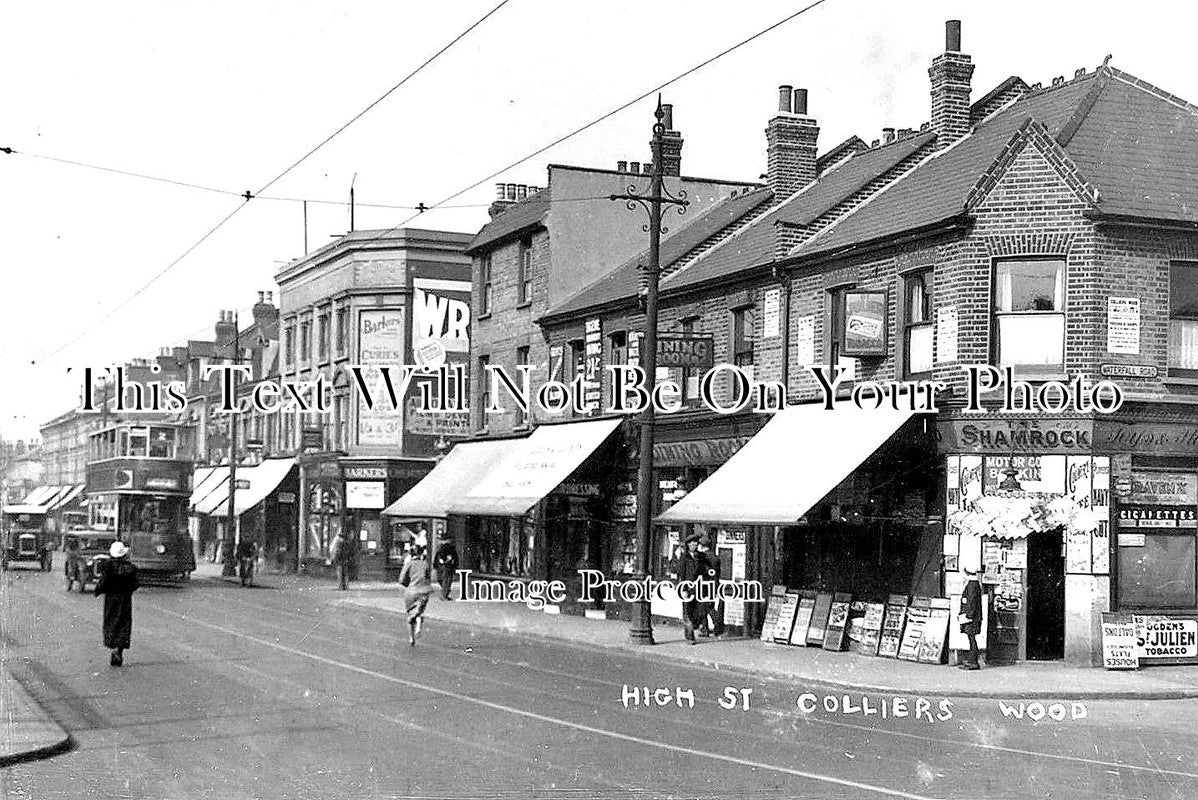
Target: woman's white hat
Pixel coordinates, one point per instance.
(118, 550)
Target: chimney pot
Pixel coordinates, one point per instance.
(667, 116)
(1080, 72)
(634, 167)
(511, 191)
(499, 192)
(261, 297)
(784, 99)
(521, 191)
(800, 101)
(952, 36)
(887, 135)
(621, 166)
(269, 297)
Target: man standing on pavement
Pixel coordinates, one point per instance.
(339, 558)
(970, 616)
(710, 610)
(446, 561)
(690, 567)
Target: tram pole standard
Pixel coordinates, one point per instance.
(641, 631)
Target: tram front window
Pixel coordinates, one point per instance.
(152, 515)
(162, 443)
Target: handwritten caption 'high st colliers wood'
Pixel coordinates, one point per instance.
(444, 390)
(919, 709)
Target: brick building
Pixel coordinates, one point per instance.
(1048, 229)
(370, 299)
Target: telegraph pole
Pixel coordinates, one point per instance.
(233, 524)
(642, 619)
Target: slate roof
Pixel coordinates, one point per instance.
(1136, 144)
(755, 245)
(514, 220)
(623, 282)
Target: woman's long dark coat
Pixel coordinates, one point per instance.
(117, 583)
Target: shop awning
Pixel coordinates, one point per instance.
(207, 480)
(533, 468)
(67, 496)
(789, 466)
(459, 472)
(23, 508)
(263, 479)
(38, 497)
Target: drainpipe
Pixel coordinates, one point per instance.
(784, 285)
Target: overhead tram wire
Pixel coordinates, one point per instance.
(648, 93)
(266, 197)
(250, 195)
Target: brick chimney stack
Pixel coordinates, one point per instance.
(950, 73)
(671, 144)
(226, 330)
(266, 315)
(790, 144)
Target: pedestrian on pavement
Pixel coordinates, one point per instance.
(446, 560)
(339, 558)
(417, 578)
(690, 567)
(970, 616)
(117, 583)
(710, 610)
(247, 554)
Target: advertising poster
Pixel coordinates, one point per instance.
(772, 609)
(1123, 325)
(786, 617)
(798, 634)
(946, 334)
(804, 333)
(917, 618)
(440, 340)
(893, 622)
(865, 323)
(380, 343)
(771, 313)
(819, 619)
(931, 647)
(838, 621)
(1119, 646)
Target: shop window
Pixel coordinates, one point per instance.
(484, 303)
(524, 276)
(1183, 320)
(1160, 574)
(742, 339)
(521, 361)
(917, 323)
(1029, 315)
(504, 547)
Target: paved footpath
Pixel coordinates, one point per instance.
(1028, 680)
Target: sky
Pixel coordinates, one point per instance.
(228, 94)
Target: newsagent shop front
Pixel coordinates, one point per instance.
(1032, 502)
(841, 521)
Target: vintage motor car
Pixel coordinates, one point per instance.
(86, 552)
(26, 536)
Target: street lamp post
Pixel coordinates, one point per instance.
(642, 621)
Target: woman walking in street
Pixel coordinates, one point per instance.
(118, 582)
(416, 576)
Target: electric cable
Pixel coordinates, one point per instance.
(250, 195)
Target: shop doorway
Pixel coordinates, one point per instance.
(1045, 597)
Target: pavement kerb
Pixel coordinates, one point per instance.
(55, 746)
(649, 652)
(780, 676)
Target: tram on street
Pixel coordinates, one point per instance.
(139, 488)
